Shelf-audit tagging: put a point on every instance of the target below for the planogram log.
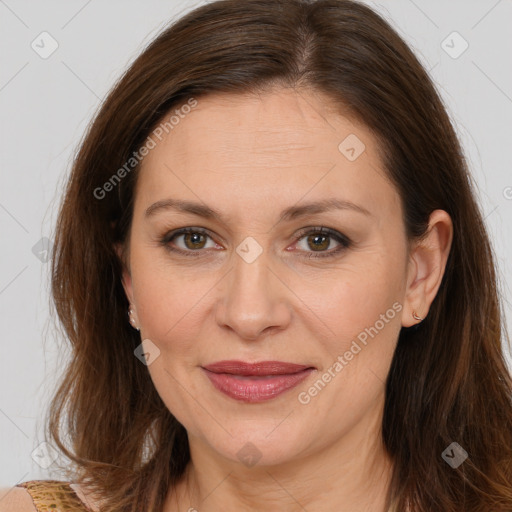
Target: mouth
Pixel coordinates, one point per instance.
(255, 382)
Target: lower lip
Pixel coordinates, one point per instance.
(255, 389)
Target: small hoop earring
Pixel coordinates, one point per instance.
(416, 317)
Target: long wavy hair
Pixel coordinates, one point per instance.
(448, 381)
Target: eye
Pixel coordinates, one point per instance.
(193, 239)
(319, 239)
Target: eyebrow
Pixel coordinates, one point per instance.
(288, 214)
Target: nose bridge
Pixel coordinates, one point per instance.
(253, 296)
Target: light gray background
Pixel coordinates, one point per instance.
(46, 104)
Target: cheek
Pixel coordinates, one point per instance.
(170, 302)
(361, 318)
(349, 299)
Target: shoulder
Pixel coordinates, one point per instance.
(16, 499)
(38, 495)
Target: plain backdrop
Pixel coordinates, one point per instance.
(46, 104)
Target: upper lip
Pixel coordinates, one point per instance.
(261, 368)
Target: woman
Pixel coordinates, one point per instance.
(275, 194)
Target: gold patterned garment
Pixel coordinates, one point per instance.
(54, 496)
(58, 496)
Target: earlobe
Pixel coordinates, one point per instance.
(427, 266)
(133, 319)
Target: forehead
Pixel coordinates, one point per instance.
(253, 146)
(277, 123)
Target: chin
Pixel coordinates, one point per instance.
(257, 442)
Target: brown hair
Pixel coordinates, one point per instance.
(448, 380)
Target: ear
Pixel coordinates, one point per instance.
(427, 263)
(126, 277)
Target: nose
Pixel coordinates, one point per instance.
(254, 301)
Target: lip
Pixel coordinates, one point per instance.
(255, 382)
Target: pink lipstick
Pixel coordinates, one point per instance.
(255, 382)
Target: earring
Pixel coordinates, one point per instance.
(416, 317)
(132, 320)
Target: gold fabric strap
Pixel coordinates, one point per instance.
(53, 496)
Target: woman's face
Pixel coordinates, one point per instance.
(255, 283)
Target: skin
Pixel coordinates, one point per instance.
(250, 157)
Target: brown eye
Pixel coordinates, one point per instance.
(188, 240)
(318, 240)
(194, 240)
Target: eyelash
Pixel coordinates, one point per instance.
(344, 242)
